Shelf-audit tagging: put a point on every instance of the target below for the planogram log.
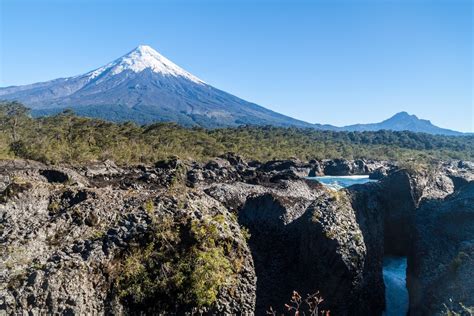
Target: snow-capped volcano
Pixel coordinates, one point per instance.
(141, 58)
(145, 87)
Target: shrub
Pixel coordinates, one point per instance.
(298, 305)
(149, 207)
(68, 138)
(183, 261)
(457, 309)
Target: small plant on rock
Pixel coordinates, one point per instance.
(309, 306)
(149, 206)
(183, 261)
(457, 309)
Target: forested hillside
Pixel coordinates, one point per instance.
(67, 138)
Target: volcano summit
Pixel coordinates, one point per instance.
(144, 86)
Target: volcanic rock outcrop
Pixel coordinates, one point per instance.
(238, 236)
(441, 260)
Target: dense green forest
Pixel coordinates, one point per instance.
(67, 138)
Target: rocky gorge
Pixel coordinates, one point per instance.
(231, 236)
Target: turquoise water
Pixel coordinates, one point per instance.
(340, 182)
(394, 268)
(396, 294)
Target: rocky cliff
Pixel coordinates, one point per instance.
(441, 260)
(73, 244)
(223, 237)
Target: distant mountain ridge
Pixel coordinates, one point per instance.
(146, 87)
(403, 121)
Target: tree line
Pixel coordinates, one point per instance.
(68, 138)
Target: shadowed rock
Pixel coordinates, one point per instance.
(441, 260)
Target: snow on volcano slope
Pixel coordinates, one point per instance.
(145, 87)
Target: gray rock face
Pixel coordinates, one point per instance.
(61, 243)
(338, 167)
(77, 230)
(282, 211)
(316, 169)
(66, 232)
(400, 200)
(334, 254)
(343, 167)
(426, 218)
(295, 166)
(316, 243)
(401, 194)
(53, 174)
(368, 209)
(105, 168)
(441, 261)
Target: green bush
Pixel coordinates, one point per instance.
(183, 261)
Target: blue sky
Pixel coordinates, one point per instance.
(336, 62)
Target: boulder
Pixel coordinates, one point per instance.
(234, 159)
(461, 172)
(468, 165)
(37, 171)
(316, 169)
(171, 163)
(279, 165)
(217, 163)
(296, 166)
(338, 167)
(360, 167)
(101, 168)
(378, 174)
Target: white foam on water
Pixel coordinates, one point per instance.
(340, 182)
(341, 177)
